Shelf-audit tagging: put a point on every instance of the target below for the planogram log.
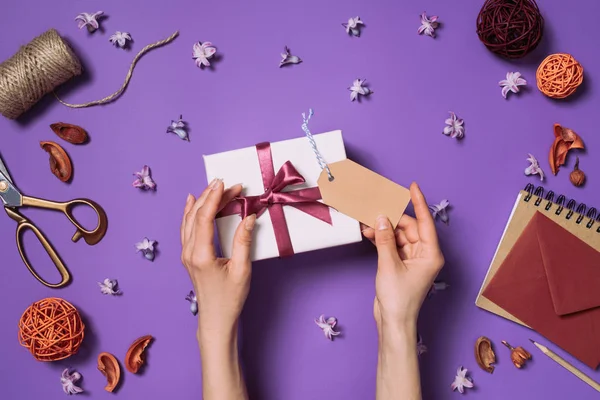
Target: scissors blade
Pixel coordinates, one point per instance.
(4, 171)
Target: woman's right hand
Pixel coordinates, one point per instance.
(409, 260)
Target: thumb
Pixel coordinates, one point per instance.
(242, 240)
(385, 240)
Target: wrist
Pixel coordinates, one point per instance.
(397, 335)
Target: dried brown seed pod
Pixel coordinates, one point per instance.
(109, 366)
(60, 163)
(484, 354)
(71, 133)
(135, 355)
(577, 177)
(518, 355)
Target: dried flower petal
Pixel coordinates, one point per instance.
(178, 127)
(511, 83)
(421, 348)
(441, 210)
(484, 354)
(108, 365)
(288, 58)
(191, 297)
(454, 128)
(109, 286)
(327, 326)
(534, 167)
(60, 163)
(89, 20)
(120, 39)
(352, 26)
(71, 133)
(143, 180)
(357, 89)
(565, 139)
(461, 381)
(202, 52)
(428, 25)
(67, 380)
(134, 358)
(147, 248)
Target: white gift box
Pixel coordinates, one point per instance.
(306, 232)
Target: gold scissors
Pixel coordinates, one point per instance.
(13, 199)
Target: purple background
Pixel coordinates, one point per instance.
(246, 99)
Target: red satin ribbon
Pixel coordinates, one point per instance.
(274, 199)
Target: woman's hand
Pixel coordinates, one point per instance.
(409, 260)
(221, 287)
(221, 284)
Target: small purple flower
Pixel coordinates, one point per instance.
(202, 52)
(421, 348)
(428, 25)
(191, 297)
(288, 58)
(534, 167)
(436, 287)
(357, 89)
(178, 127)
(120, 39)
(89, 20)
(454, 128)
(327, 326)
(441, 210)
(511, 83)
(143, 180)
(109, 286)
(352, 27)
(147, 248)
(68, 380)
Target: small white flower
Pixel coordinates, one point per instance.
(352, 27)
(288, 58)
(461, 381)
(327, 326)
(109, 286)
(441, 210)
(421, 348)
(428, 25)
(178, 127)
(143, 180)
(147, 248)
(357, 89)
(89, 20)
(534, 167)
(202, 52)
(437, 285)
(511, 83)
(68, 382)
(120, 39)
(455, 127)
(191, 297)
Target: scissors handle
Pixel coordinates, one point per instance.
(91, 237)
(22, 225)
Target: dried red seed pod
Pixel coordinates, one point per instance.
(71, 133)
(60, 163)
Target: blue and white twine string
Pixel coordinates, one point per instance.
(313, 144)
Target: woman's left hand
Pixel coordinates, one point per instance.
(221, 285)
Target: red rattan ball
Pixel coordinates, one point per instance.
(51, 329)
(510, 28)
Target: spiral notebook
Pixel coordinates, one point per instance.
(576, 218)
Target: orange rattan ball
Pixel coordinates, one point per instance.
(51, 329)
(559, 75)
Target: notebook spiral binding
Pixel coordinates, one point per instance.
(592, 215)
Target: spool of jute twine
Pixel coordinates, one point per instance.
(44, 64)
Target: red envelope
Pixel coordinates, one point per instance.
(550, 280)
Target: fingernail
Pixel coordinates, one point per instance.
(382, 222)
(189, 198)
(215, 183)
(250, 222)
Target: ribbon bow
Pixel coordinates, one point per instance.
(274, 198)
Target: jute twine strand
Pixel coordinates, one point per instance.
(35, 70)
(510, 28)
(51, 329)
(116, 94)
(559, 75)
